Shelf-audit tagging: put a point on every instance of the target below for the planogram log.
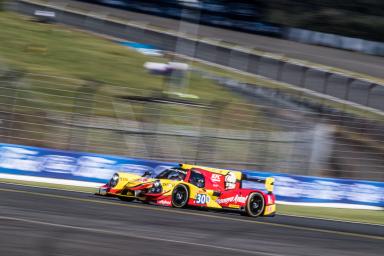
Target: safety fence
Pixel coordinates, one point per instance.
(266, 130)
(319, 79)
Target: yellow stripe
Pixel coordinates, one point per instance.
(197, 214)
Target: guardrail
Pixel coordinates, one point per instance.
(85, 169)
(335, 41)
(323, 80)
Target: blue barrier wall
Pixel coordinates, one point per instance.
(307, 189)
(41, 162)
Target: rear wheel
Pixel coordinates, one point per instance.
(180, 196)
(255, 204)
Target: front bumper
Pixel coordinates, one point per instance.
(107, 191)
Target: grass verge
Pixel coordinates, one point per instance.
(354, 215)
(58, 61)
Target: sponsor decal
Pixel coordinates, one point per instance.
(202, 199)
(164, 202)
(168, 185)
(230, 180)
(270, 209)
(216, 178)
(270, 199)
(232, 199)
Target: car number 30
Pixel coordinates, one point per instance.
(202, 199)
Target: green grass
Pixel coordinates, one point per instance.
(364, 216)
(356, 215)
(62, 53)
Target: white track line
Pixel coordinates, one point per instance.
(135, 236)
(54, 181)
(281, 214)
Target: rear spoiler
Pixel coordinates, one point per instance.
(268, 182)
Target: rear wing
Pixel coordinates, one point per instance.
(268, 182)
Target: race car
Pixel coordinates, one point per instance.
(194, 186)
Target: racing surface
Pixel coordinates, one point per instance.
(348, 60)
(37, 221)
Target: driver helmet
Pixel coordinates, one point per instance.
(175, 176)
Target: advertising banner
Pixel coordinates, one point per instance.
(41, 162)
(88, 167)
(328, 191)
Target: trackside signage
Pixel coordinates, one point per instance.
(41, 162)
(328, 191)
(26, 161)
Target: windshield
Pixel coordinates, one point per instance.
(172, 174)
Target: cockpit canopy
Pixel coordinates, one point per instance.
(172, 174)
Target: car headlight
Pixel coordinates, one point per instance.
(114, 180)
(156, 187)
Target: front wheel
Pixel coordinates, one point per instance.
(180, 196)
(255, 204)
(124, 197)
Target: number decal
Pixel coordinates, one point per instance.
(202, 199)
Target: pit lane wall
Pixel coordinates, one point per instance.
(91, 170)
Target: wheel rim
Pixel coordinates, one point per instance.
(180, 197)
(256, 204)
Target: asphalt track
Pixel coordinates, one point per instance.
(348, 60)
(36, 221)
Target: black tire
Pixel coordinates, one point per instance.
(255, 205)
(124, 198)
(180, 196)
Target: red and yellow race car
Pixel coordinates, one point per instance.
(196, 186)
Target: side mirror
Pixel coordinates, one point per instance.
(147, 173)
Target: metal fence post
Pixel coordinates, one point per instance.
(369, 93)
(325, 83)
(280, 70)
(82, 108)
(348, 89)
(13, 77)
(303, 77)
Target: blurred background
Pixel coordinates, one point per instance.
(292, 89)
(361, 19)
(67, 88)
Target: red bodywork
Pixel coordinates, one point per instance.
(235, 197)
